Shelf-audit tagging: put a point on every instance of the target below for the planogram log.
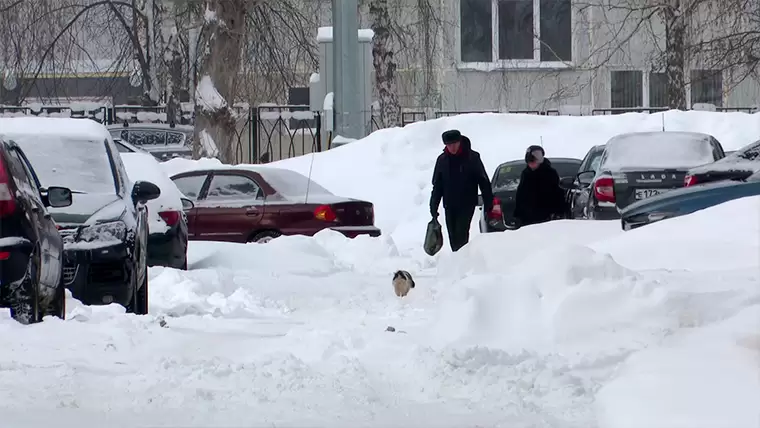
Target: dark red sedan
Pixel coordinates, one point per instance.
(257, 204)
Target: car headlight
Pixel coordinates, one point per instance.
(111, 231)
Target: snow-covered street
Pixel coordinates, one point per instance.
(570, 324)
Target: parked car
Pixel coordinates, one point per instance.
(31, 249)
(258, 204)
(167, 221)
(164, 141)
(686, 201)
(738, 165)
(639, 165)
(573, 187)
(105, 229)
(504, 183)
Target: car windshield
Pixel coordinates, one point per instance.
(81, 165)
(658, 150)
(290, 183)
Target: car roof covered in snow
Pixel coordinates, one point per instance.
(59, 126)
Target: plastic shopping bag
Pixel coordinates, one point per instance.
(433, 238)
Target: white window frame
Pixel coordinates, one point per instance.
(519, 64)
(645, 82)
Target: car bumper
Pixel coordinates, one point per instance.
(354, 231)
(167, 249)
(605, 213)
(99, 276)
(13, 267)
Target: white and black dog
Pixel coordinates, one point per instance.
(402, 283)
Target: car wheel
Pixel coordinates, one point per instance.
(25, 304)
(265, 236)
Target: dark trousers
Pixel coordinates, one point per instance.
(458, 223)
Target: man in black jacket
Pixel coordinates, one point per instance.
(458, 174)
(539, 197)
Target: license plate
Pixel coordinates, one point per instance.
(648, 193)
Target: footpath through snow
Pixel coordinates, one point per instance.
(562, 325)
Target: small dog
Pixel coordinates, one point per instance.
(402, 283)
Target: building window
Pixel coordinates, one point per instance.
(707, 87)
(516, 30)
(658, 90)
(626, 89)
(300, 97)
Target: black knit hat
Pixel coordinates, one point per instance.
(529, 157)
(451, 136)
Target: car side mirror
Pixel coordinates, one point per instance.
(585, 178)
(480, 200)
(57, 197)
(567, 183)
(187, 204)
(144, 191)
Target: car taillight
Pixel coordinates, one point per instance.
(689, 180)
(604, 189)
(325, 213)
(496, 213)
(7, 200)
(169, 217)
(5, 255)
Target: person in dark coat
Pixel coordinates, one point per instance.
(539, 197)
(457, 175)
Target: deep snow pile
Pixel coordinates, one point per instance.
(393, 168)
(505, 333)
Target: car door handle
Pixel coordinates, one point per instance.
(251, 211)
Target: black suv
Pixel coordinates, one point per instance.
(31, 249)
(105, 230)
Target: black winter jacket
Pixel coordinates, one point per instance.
(456, 179)
(539, 195)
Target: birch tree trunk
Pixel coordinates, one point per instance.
(221, 47)
(384, 65)
(675, 53)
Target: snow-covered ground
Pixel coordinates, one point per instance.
(567, 324)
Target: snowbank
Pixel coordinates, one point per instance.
(392, 168)
(145, 167)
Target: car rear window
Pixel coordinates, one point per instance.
(658, 150)
(566, 169)
(290, 183)
(508, 177)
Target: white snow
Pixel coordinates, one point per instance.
(207, 97)
(569, 324)
(145, 167)
(658, 150)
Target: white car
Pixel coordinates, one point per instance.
(167, 222)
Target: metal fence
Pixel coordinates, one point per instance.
(270, 133)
